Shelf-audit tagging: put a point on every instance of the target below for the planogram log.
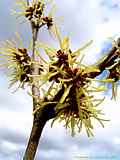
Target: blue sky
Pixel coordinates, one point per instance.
(83, 21)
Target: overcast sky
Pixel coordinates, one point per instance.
(83, 20)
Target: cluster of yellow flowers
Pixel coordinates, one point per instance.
(34, 11)
(76, 105)
(18, 60)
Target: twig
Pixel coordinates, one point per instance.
(107, 61)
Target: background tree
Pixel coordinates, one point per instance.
(62, 87)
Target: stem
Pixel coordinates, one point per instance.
(39, 120)
(111, 53)
(35, 90)
(38, 125)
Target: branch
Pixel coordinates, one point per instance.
(38, 125)
(35, 69)
(40, 119)
(108, 61)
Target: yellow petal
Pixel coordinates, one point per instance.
(65, 44)
(91, 68)
(57, 33)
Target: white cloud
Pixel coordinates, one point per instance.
(116, 141)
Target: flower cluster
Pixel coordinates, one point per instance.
(77, 105)
(70, 95)
(23, 62)
(19, 62)
(67, 83)
(34, 10)
(48, 21)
